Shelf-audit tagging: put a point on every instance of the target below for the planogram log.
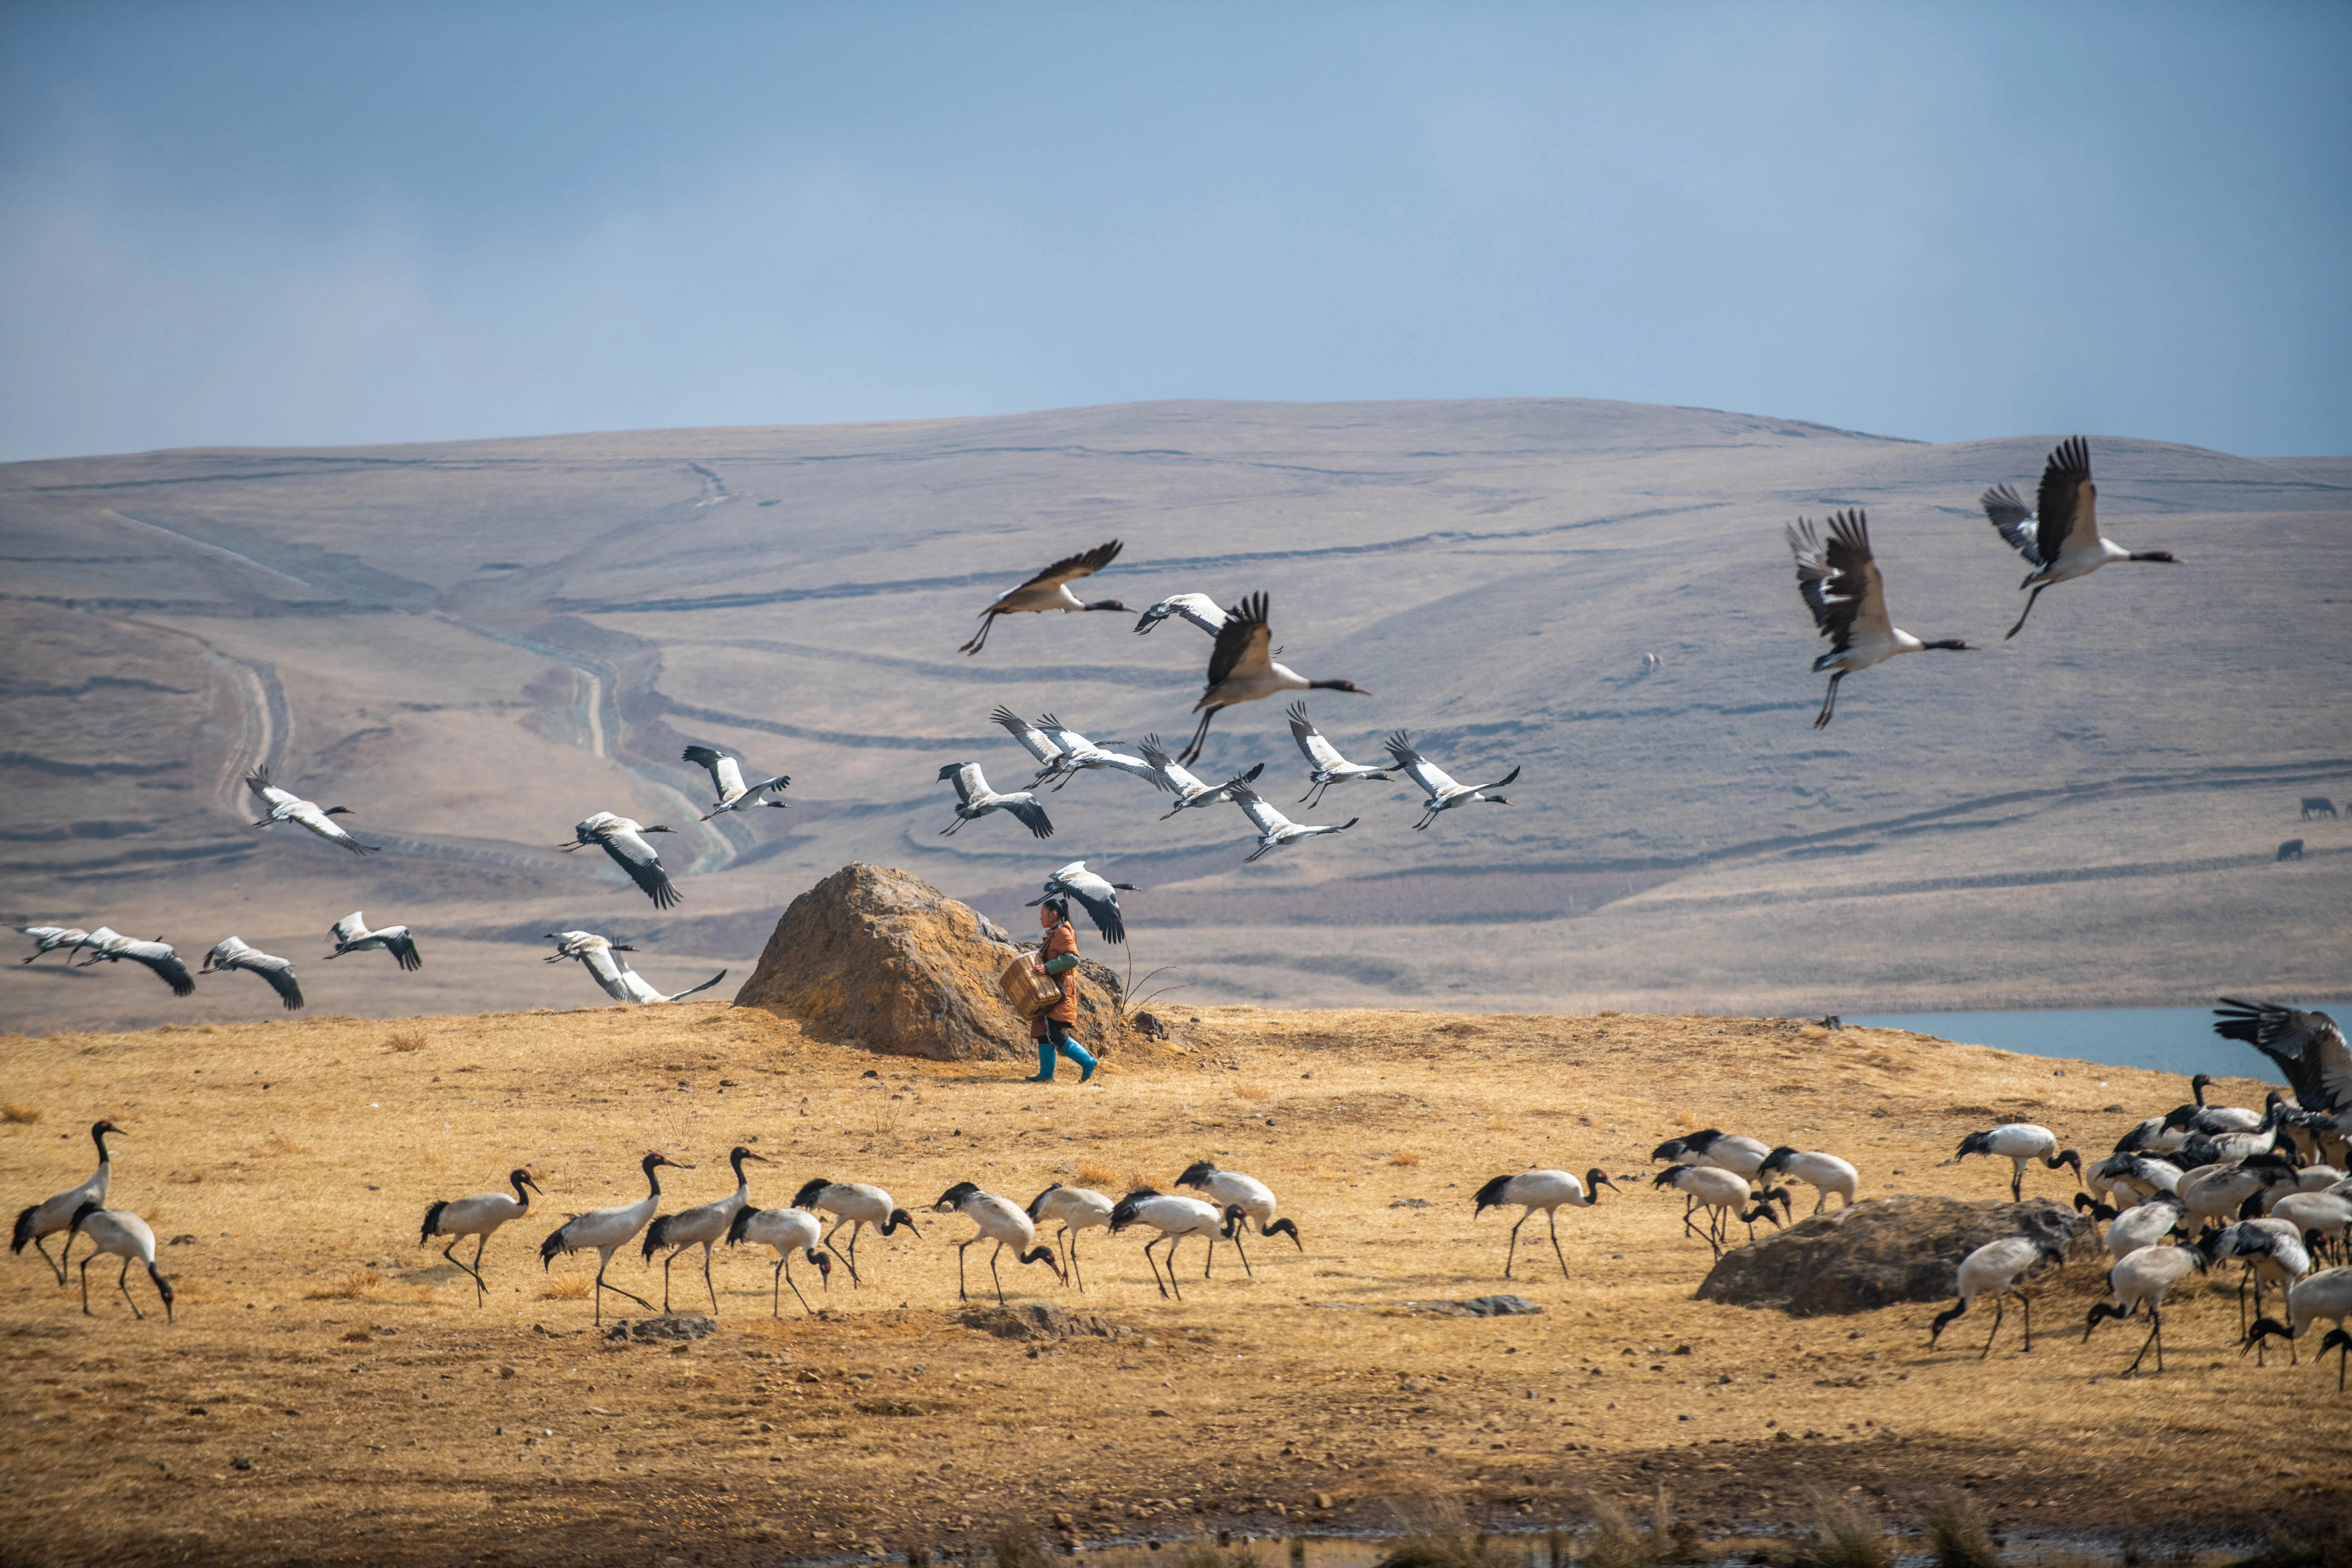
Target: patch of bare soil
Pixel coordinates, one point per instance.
(331, 1392)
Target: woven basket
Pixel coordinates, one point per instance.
(1029, 991)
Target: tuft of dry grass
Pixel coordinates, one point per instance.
(1958, 1536)
(1840, 1538)
(357, 1337)
(1406, 1157)
(1686, 1119)
(569, 1287)
(1015, 1544)
(19, 1115)
(351, 1286)
(1096, 1176)
(1253, 1091)
(412, 1041)
(1138, 1179)
(278, 1144)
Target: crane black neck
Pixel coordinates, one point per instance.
(652, 1181)
(98, 1136)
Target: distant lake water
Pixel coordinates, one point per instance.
(2168, 1039)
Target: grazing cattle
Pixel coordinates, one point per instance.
(2291, 850)
(2317, 805)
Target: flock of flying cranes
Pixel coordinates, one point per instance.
(1838, 578)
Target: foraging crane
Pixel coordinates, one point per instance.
(2326, 1217)
(1842, 587)
(1444, 793)
(2227, 1148)
(286, 807)
(158, 956)
(1198, 608)
(118, 1233)
(2326, 1294)
(1825, 1173)
(707, 1225)
(1722, 1191)
(2140, 1280)
(625, 841)
(2145, 1225)
(2060, 537)
(1049, 590)
(1995, 1268)
(479, 1216)
(855, 1205)
(1033, 740)
(1078, 753)
(55, 1214)
(2142, 1176)
(1242, 669)
(1547, 1190)
(52, 938)
(1324, 765)
(607, 1230)
(2307, 1046)
(1175, 1217)
(975, 800)
(2272, 1251)
(620, 982)
(1002, 1221)
(351, 935)
(787, 1231)
(1074, 1209)
(1734, 1152)
(233, 954)
(1177, 780)
(727, 778)
(2019, 1142)
(1091, 893)
(1230, 1190)
(2211, 1192)
(1274, 829)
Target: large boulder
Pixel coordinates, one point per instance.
(879, 958)
(1883, 1251)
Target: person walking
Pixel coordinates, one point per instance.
(1058, 959)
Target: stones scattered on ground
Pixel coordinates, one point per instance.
(1039, 1321)
(1883, 1251)
(673, 1329)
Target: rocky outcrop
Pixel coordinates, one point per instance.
(1039, 1321)
(1883, 1251)
(879, 958)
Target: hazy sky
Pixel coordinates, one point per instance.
(242, 224)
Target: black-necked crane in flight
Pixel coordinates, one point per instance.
(1325, 764)
(625, 841)
(1177, 780)
(351, 935)
(1033, 740)
(1050, 590)
(1198, 608)
(1242, 669)
(52, 938)
(727, 778)
(2307, 1046)
(1444, 793)
(1848, 599)
(1078, 753)
(2060, 535)
(619, 981)
(232, 952)
(975, 800)
(286, 807)
(159, 956)
(1091, 893)
(1274, 829)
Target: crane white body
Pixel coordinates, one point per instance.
(117, 1233)
(1825, 1173)
(1231, 1190)
(1325, 764)
(607, 1230)
(612, 975)
(1002, 1221)
(705, 1226)
(2144, 1225)
(1074, 1209)
(1198, 608)
(2217, 1192)
(2019, 1143)
(480, 1216)
(1544, 1191)
(786, 1231)
(727, 779)
(1049, 590)
(975, 800)
(1079, 754)
(1438, 784)
(50, 939)
(623, 840)
(284, 806)
(1178, 781)
(2140, 1280)
(1274, 829)
(855, 1205)
(1174, 1216)
(160, 958)
(2325, 1295)
(1096, 895)
(55, 1212)
(1242, 669)
(2060, 537)
(1724, 1193)
(1995, 1269)
(351, 935)
(232, 952)
(1841, 585)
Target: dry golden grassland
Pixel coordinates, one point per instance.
(331, 1392)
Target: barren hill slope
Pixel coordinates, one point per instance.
(477, 644)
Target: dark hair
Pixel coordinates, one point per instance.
(1060, 907)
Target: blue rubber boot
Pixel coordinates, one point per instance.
(1077, 1053)
(1045, 1061)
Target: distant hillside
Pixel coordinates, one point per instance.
(475, 644)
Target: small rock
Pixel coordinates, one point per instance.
(1322, 1499)
(1409, 1204)
(240, 1463)
(181, 1241)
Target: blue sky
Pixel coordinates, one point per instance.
(247, 225)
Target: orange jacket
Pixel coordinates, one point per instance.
(1061, 938)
